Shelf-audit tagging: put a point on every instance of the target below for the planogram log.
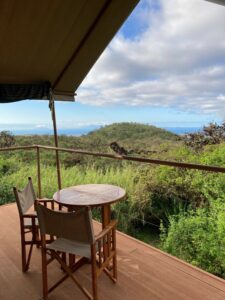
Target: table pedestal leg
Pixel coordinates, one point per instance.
(106, 215)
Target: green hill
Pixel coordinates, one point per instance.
(134, 137)
(131, 131)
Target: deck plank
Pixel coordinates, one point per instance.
(144, 272)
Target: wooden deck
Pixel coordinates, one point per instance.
(144, 273)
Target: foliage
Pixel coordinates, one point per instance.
(132, 131)
(6, 139)
(6, 195)
(135, 138)
(210, 135)
(189, 204)
(198, 237)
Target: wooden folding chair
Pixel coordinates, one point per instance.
(74, 235)
(26, 202)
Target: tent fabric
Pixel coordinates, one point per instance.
(56, 41)
(17, 92)
(221, 2)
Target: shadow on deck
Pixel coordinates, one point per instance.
(144, 273)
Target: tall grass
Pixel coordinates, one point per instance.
(126, 177)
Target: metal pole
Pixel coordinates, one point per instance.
(39, 172)
(52, 108)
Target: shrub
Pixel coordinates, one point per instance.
(6, 193)
(198, 237)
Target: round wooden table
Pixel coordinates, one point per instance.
(92, 195)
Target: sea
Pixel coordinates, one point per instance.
(183, 130)
(85, 130)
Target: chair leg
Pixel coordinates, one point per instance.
(23, 252)
(70, 274)
(44, 274)
(25, 258)
(72, 260)
(115, 255)
(94, 284)
(37, 237)
(115, 267)
(94, 273)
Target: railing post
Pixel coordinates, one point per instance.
(38, 172)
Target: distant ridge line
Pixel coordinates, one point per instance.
(85, 130)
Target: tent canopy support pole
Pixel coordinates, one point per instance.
(52, 107)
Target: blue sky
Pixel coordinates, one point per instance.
(166, 67)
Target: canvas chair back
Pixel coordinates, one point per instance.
(75, 226)
(25, 198)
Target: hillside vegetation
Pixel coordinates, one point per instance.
(130, 133)
(127, 133)
(137, 139)
(181, 211)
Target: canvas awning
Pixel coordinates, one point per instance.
(54, 43)
(222, 2)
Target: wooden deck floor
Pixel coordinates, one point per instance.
(144, 272)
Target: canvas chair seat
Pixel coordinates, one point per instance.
(72, 247)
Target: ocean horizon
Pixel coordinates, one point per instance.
(87, 129)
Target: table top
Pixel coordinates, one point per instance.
(89, 195)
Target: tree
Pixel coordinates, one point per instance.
(6, 139)
(210, 135)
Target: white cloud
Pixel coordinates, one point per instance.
(177, 61)
(41, 126)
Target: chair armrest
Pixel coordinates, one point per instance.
(106, 230)
(44, 200)
(32, 216)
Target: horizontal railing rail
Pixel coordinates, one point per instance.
(30, 147)
(123, 157)
(175, 164)
(141, 159)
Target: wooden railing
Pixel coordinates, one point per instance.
(107, 155)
